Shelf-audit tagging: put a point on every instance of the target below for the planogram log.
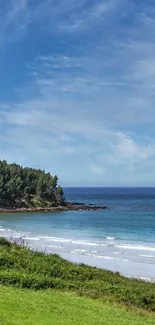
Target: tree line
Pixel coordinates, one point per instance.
(19, 186)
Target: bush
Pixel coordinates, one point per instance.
(4, 242)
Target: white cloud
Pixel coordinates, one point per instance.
(127, 148)
(122, 151)
(128, 151)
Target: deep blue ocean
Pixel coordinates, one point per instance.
(120, 238)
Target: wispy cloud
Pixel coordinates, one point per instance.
(15, 9)
(13, 19)
(56, 123)
(62, 16)
(90, 15)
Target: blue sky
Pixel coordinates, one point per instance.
(77, 82)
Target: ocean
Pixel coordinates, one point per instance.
(120, 238)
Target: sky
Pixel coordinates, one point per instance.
(77, 89)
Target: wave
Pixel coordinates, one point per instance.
(100, 256)
(141, 278)
(61, 240)
(72, 241)
(80, 243)
(107, 257)
(54, 246)
(80, 250)
(97, 244)
(138, 247)
(32, 238)
(148, 256)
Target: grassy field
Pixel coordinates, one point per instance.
(50, 307)
(36, 288)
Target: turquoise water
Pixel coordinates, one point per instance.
(121, 238)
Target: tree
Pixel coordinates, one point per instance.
(18, 184)
(60, 195)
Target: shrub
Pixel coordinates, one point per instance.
(4, 242)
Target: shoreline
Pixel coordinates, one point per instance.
(69, 207)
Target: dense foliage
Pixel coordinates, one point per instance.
(24, 268)
(21, 187)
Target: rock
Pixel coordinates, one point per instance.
(68, 207)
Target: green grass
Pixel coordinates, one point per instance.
(21, 267)
(27, 307)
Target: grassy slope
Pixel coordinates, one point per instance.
(27, 307)
(23, 268)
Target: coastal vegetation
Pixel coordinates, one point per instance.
(23, 268)
(28, 187)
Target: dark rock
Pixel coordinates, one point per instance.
(68, 207)
(76, 203)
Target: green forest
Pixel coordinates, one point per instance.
(28, 187)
